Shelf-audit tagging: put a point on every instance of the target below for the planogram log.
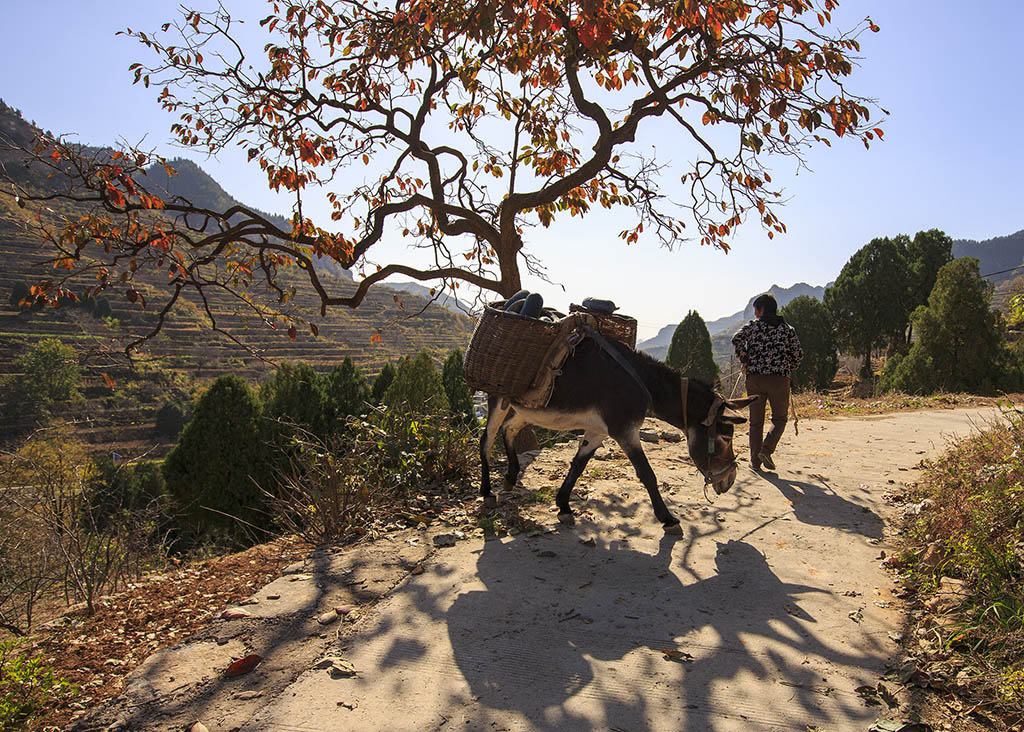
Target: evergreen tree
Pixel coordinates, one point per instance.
(926, 255)
(690, 350)
(417, 386)
(959, 339)
(869, 300)
(216, 470)
(460, 400)
(347, 393)
(382, 382)
(813, 324)
(295, 395)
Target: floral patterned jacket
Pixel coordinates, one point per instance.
(768, 348)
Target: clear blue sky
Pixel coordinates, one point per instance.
(949, 73)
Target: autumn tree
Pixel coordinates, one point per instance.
(813, 324)
(869, 299)
(474, 121)
(690, 350)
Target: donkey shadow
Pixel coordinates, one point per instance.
(544, 641)
(817, 504)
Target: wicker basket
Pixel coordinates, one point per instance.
(507, 350)
(519, 358)
(621, 328)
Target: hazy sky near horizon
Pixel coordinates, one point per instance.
(948, 72)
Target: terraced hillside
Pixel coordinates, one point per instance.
(188, 351)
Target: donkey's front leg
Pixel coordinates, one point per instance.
(495, 418)
(592, 440)
(631, 446)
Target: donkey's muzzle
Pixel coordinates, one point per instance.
(723, 481)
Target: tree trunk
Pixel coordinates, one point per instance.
(865, 369)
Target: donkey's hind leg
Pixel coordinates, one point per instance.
(495, 417)
(592, 440)
(630, 444)
(512, 427)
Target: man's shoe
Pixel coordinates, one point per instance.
(755, 466)
(766, 460)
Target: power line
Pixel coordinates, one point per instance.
(1004, 271)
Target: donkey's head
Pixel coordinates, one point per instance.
(709, 440)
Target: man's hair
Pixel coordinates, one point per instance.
(767, 304)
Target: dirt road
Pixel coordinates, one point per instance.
(766, 614)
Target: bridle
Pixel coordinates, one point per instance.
(711, 422)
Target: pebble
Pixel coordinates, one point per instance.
(328, 617)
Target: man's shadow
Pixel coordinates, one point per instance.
(546, 627)
(816, 503)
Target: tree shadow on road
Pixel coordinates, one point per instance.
(545, 638)
(815, 502)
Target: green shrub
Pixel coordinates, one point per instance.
(27, 685)
(347, 394)
(120, 493)
(216, 469)
(172, 417)
(49, 372)
(417, 386)
(460, 399)
(972, 529)
(382, 382)
(296, 395)
(336, 488)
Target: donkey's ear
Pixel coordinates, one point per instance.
(732, 419)
(741, 403)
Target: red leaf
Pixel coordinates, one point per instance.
(292, 332)
(314, 330)
(243, 665)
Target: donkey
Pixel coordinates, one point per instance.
(606, 389)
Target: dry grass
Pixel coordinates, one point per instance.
(963, 557)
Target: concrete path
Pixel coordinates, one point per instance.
(766, 615)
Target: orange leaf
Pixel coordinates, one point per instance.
(107, 380)
(243, 665)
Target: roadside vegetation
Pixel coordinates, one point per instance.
(963, 563)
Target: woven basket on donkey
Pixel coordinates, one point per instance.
(506, 351)
(621, 328)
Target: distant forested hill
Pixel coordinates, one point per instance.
(994, 255)
(658, 345)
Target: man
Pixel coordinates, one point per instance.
(768, 350)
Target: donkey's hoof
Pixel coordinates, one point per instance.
(675, 529)
(508, 486)
(567, 518)
(490, 501)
